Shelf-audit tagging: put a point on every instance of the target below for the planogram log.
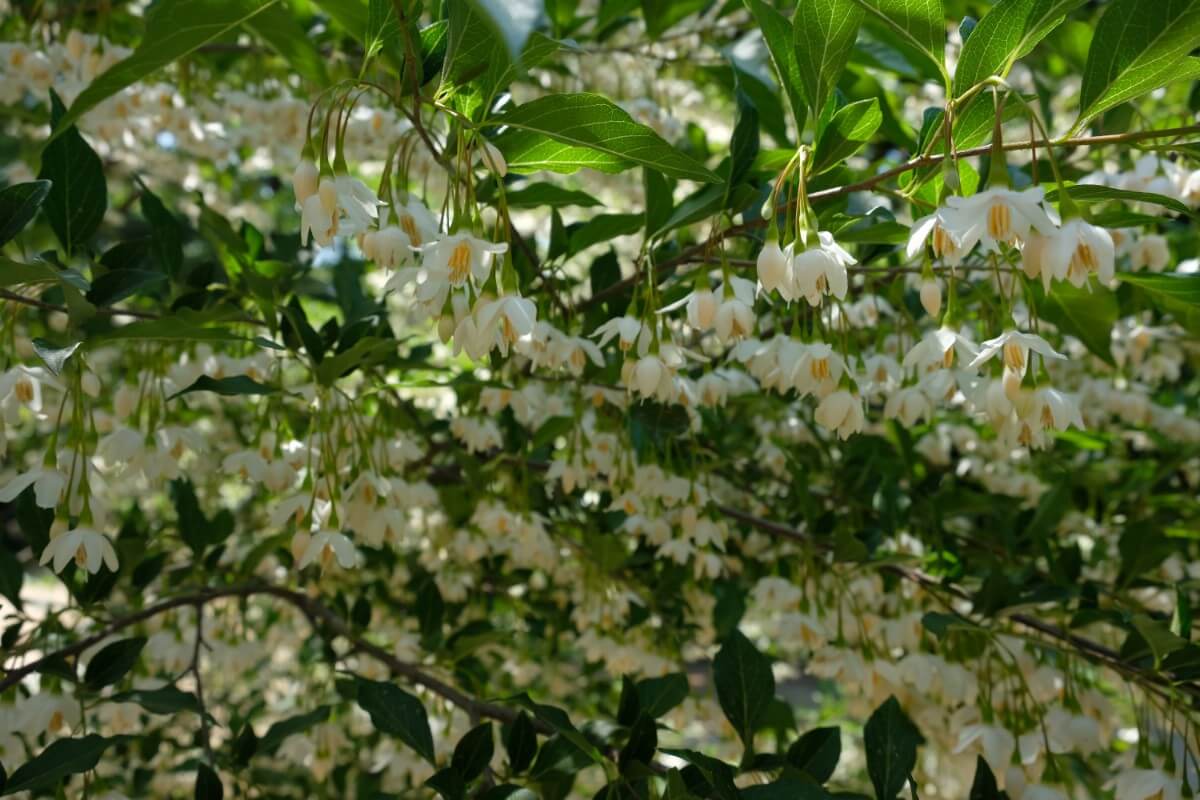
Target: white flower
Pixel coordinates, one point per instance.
(998, 215)
(628, 331)
(821, 270)
(1150, 252)
(735, 315)
(316, 222)
(388, 247)
(491, 156)
(931, 296)
(909, 405)
(357, 203)
(841, 411)
(514, 315)
(774, 267)
(1056, 410)
(938, 349)
(86, 546)
(941, 229)
(701, 308)
(1073, 252)
(462, 256)
(1015, 346)
(996, 744)
(305, 180)
(416, 221)
(48, 485)
(325, 546)
(1146, 784)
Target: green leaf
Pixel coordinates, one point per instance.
(18, 205)
(779, 37)
(657, 696)
(448, 784)
(1089, 195)
(78, 198)
(520, 743)
(166, 700)
(825, 31)
(11, 576)
(745, 684)
(62, 758)
(174, 28)
(603, 228)
(112, 287)
(817, 752)
(276, 25)
(473, 752)
(166, 233)
(891, 740)
(1088, 314)
(743, 145)
(984, 786)
(511, 20)
(1137, 48)
(113, 662)
(397, 713)
(180, 327)
(54, 356)
(661, 15)
(1158, 636)
(564, 132)
(383, 28)
(1171, 292)
(547, 195)
(281, 730)
(208, 784)
(229, 387)
(1006, 33)
(922, 23)
(850, 128)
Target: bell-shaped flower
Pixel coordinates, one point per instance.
(701, 308)
(513, 315)
(48, 485)
(999, 215)
(821, 270)
(1016, 347)
(842, 412)
(462, 256)
(774, 267)
(943, 230)
(909, 404)
(327, 546)
(1146, 784)
(416, 221)
(735, 314)
(628, 331)
(305, 180)
(316, 222)
(1075, 251)
(87, 547)
(388, 247)
(357, 203)
(939, 349)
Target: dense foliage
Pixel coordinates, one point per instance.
(662, 399)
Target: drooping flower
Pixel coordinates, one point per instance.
(326, 546)
(821, 270)
(1015, 347)
(305, 180)
(462, 256)
(774, 267)
(89, 548)
(931, 296)
(999, 215)
(941, 230)
(513, 315)
(1073, 252)
(48, 485)
(842, 412)
(629, 331)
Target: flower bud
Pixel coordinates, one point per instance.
(494, 159)
(931, 296)
(304, 181)
(445, 327)
(90, 384)
(772, 267)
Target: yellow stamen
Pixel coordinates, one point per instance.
(1014, 357)
(819, 369)
(81, 556)
(409, 226)
(999, 222)
(460, 263)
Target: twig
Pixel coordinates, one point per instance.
(837, 191)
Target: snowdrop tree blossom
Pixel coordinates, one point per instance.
(587, 400)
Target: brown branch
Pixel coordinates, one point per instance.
(868, 183)
(317, 614)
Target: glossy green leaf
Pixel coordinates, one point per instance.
(276, 25)
(1088, 314)
(824, 34)
(19, 204)
(281, 730)
(230, 386)
(564, 132)
(1137, 48)
(174, 28)
(922, 23)
(113, 662)
(1088, 195)
(850, 128)
(208, 784)
(474, 752)
(817, 753)
(745, 684)
(166, 700)
(397, 713)
(891, 741)
(1009, 31)
(657, 696)
(61, 758)
(547, 195)
(383, 27)
(511, 20)
(520, 743)
(780, 40)
(78, 198)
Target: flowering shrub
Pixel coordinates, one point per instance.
(665, 400)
